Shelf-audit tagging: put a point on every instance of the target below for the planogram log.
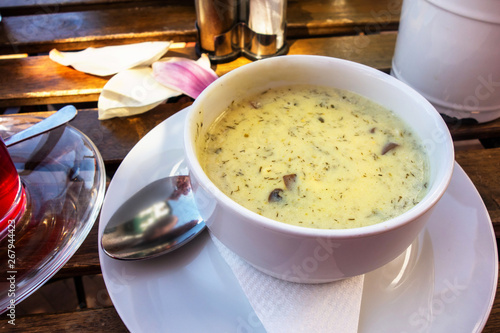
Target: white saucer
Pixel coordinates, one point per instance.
(445, 282)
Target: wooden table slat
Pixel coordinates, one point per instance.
(463, 130)
(38, 7)
(111, 25)
(78, 30)
(89, 320)
(20, 83)
(482, 166)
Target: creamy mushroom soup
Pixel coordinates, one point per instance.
(315, 157)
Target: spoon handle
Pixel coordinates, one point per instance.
(59, 118)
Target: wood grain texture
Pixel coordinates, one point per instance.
(372, 50)
(89, 320)
(38, 7)
(466, 130)
(116, 137)
(78, 30)
(39, 80)
(483, 168)
(112, 25)
(327, 17)
(493, 323)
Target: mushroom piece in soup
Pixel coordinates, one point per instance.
(315, 157)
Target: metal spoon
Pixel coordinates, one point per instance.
(57, 119)
(157, 219)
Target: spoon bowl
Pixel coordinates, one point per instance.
(158, 219)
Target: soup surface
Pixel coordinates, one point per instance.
(315, 157)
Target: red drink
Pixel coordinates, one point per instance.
(12, 196)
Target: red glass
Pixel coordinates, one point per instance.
(12, 194)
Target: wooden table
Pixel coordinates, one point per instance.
(360, 30)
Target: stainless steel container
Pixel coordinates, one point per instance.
(216, 20)
(230, 28)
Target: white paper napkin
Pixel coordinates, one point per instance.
(132, 92)
(294, 307)
(137, 86)
(110, 60)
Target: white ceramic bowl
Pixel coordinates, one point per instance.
(300, 254)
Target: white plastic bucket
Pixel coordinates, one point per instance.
(449, 51)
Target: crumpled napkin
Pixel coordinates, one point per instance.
(138, 90)
(132, 92)
(110, 60)
(142, 79)
(295, 307)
